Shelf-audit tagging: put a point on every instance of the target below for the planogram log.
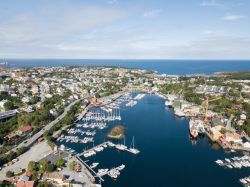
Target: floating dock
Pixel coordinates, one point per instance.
(107, 143)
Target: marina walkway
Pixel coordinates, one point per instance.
(90, 169)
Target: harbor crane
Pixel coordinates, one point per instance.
(205, 104)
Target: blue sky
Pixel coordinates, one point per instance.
(125, 29)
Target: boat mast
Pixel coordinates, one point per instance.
(133, 142)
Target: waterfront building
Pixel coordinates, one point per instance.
(216, 134)
(230, 137)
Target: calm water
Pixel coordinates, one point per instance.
(168, 157)
(162, 66)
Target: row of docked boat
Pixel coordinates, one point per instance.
(113, 173)
(131, 103)
(79, 131)
(235, 162)
(75, 139)
(103, 116)
(245, 181)
(94, 150)
(139, 96)
(123, 147)
(98, 125)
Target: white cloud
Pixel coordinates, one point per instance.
(30, 31)
(152, 13)
(213, 32)
(112, 1)
(231, 17)
(213, 3)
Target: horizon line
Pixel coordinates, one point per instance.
(129, 59)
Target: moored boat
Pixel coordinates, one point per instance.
(193, 129)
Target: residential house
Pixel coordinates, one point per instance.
(55, 177)
(24, 130)
(230, 137)
(26, 184)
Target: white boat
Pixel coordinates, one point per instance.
(121, 147)
(94, 165)
(220, 162)
(121, 167)
(229, 166)
(193, 129)
(114, 173)
(168, 103)
(132, 149)
(243, 181)
(102, 172)
(199, 124)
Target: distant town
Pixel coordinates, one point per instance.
(40, 106)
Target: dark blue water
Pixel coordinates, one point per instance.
(168, 157)
(162, 66)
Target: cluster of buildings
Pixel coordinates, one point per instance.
(212, 90)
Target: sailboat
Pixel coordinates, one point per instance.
(133, 149)
(121, 147)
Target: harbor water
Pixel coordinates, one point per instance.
(168, 157)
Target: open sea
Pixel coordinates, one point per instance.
(179, 67)
(168, 157)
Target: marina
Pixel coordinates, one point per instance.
(163, 142)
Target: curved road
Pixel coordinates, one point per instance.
(28, 142)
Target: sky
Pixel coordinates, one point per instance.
(125, 29)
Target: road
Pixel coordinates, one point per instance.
(229, 122)
(28, 142)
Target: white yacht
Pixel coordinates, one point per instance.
(94, 165)
(121, 147)
(168, 103)
(132, 149)
(243, 181)
(121, 167)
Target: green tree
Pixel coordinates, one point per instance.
(43, 165)
(72, 165)
(50, 168)
(44, 184)
(9, 174)
(9, 105)
(60, 162)
(32, 166)
(223, 130)
(34, 175)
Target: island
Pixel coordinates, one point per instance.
(117, 132)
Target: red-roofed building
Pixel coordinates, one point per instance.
(25, 184)
(24, 130)
(230, 137)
